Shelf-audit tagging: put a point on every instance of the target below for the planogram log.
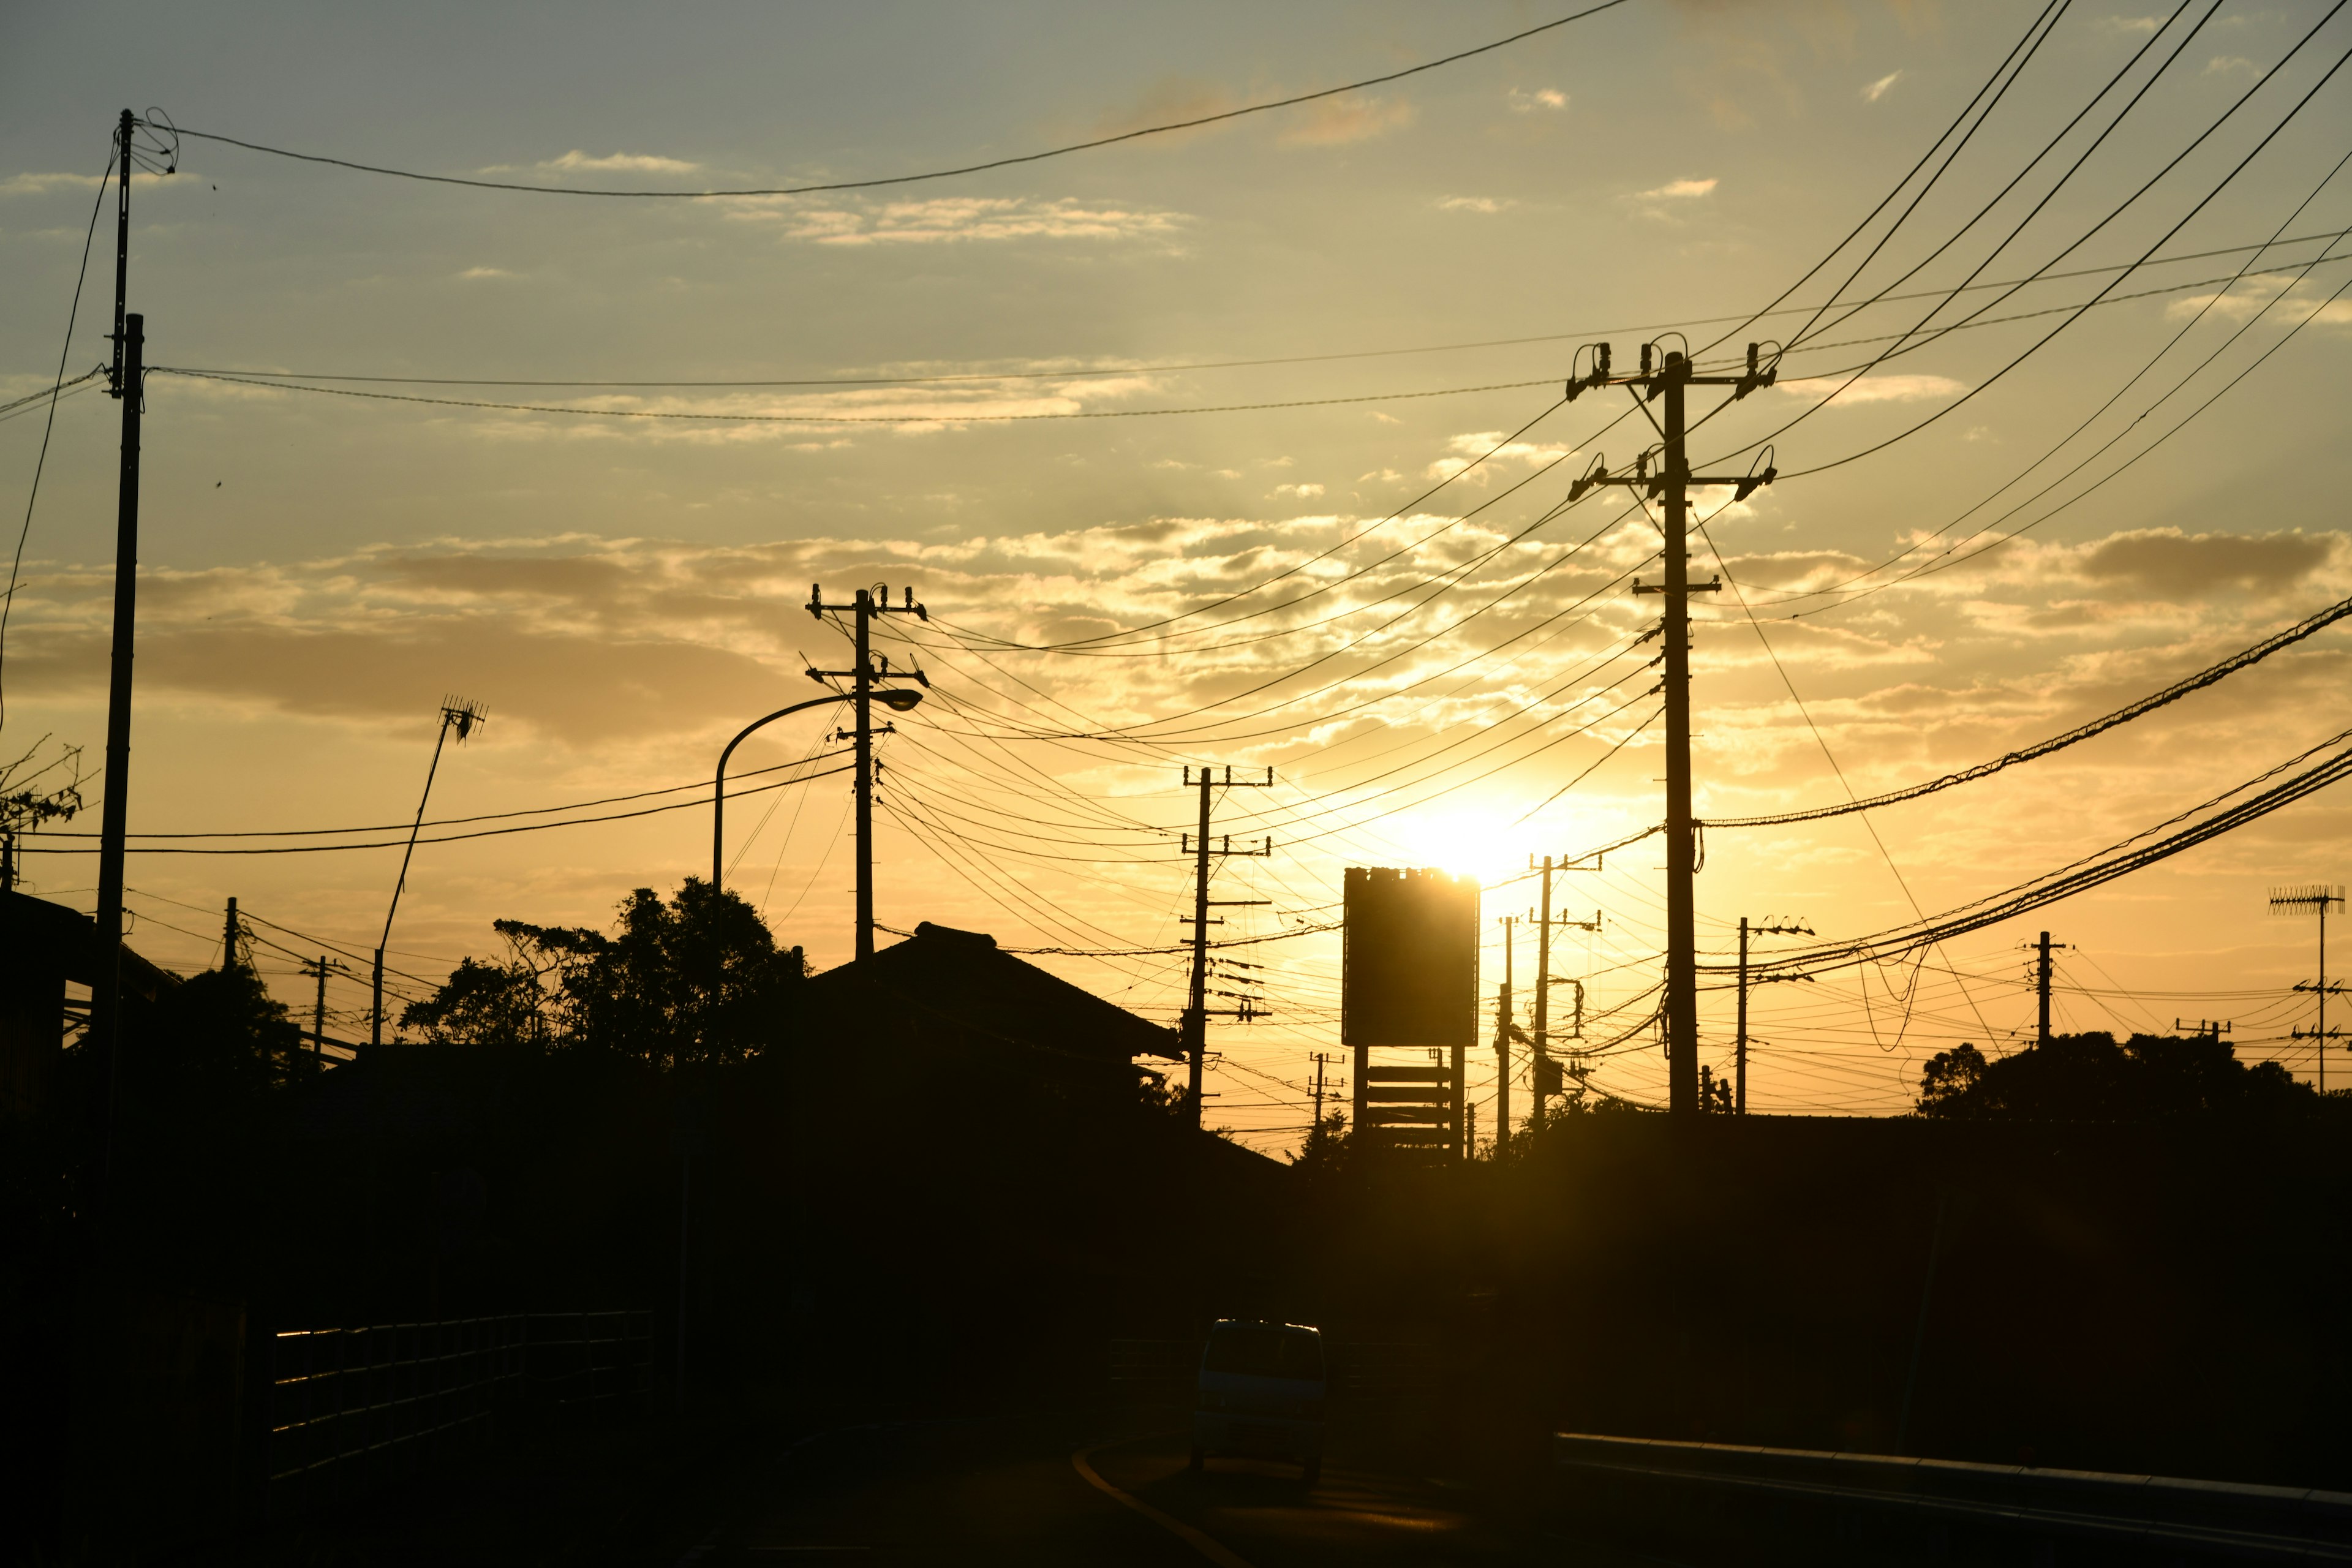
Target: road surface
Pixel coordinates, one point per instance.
(1065, 1490)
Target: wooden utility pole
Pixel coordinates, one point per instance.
(230, 931)
(862, 608)
(1193, 1034)
(1670, 378)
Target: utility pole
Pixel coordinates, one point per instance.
(319, 970)
(2042, 950)
(1503, 1044)
(126, 385)
(465, 718)
(1546, 1078)
(1323, 1059)
(1671, 378)
(867, 604)
(1194, 1034)
(1739, 1040)
(230, 932)
(1543, 1082)
(2317, 898)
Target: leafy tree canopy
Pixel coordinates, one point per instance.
(2090, 1077)
(682, 982)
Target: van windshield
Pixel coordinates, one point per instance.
(1253, 1351)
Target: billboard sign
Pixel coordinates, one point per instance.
(1410, 966)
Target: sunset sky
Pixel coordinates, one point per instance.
(1196, 376)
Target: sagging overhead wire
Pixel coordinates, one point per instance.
(2118, 860)
(2243, 659)
(1193, 123)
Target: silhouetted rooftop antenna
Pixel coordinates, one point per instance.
(465, 716)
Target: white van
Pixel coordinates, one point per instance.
(1261, 1394)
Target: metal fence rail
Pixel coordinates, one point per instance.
(1942, 1509)
(352, 1408)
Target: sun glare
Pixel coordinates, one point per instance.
(1466, 843)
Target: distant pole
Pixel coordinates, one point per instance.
(863, 694)
(1196, 1006)
(1503, 1044)
(2042, 984)
(228, 938)
(1749, 929)
(2318, 896)
(1543, 991)
(1192, 1033)
(1318, 1091)
(1740, 1040)
(318, 1014)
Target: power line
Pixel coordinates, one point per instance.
(2204, 678)
(443, 839)
(926, 418)
(1080, 372)
(41, 462)
(1191, 124)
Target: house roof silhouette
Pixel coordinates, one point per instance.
(961, 978)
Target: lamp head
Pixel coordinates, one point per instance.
(900, 700)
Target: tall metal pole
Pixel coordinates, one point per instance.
(1196, 1010)
(1682, 923)
(318, 1014)
(1503, 1044)
(1739, 1047)
(863, 697)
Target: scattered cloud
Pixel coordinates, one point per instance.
(2130, 24)
(1881, 88)
(1304, 492)
(1877, 388)
(1677, 191)
(1335, 121)
(486, 272)
(2228, 64)
(577, 162)
(2290, 303)
(42, 184)
(1474, 204)
(1545, 97)
(949, 219)
(2176, 565)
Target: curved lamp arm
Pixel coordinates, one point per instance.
(719, 784)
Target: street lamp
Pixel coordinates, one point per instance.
(897, 701)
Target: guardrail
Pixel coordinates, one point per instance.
(353, 1408)
(1888, 1509)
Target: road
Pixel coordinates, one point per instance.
(1062, 1489)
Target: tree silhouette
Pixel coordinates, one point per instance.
(2091, 1077)
(691, 980)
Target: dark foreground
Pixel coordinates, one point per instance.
(1054, 1490)
(1064, 1488)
